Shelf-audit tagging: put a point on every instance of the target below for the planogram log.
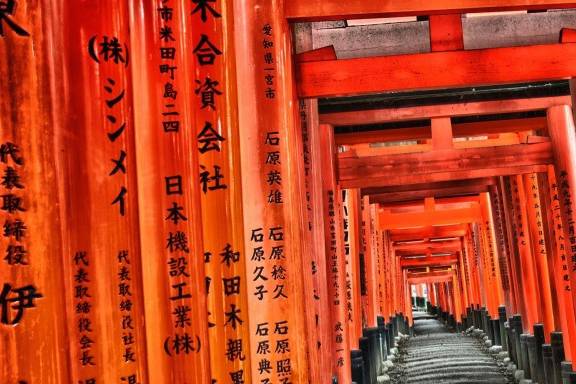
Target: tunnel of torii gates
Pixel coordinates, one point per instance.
(175, 208)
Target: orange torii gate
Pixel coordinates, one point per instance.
(102, 204)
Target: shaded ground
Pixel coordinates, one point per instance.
(438, 355)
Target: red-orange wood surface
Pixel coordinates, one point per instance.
(274, 215)
(317, 307)
(441, 165)
(369, 263)
(495, 291)
(338, 10)
(335, 257)
(459, 130)
(540, 249)
(561, 266)
(510, 218)
(169, 192)
(427, 70)
(352, 225)
(563, 136)
(527, 263)
(446, 33)
(34, 345)
(218, 136)
(102, 249)
(503, 245)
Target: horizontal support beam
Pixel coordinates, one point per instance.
(430, 277)
(449, 246)
(477, 183)
(436, 70)
(459, 130)
(394, 197)
(444, 217)
(428, 232)
(387, 115)
(443, 165)
(318, 10)
(429, 261)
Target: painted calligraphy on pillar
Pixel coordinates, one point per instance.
(561, 191)
(109, 49)
(15, 300)
(347, 254)
(499, 220)
(269, 61)
(182, 340)
(7, 21)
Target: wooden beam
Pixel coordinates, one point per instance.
(387, 115)
(444, 217)
(446, 33)
(443, 165)
(436, 70)
(477, 183)
(459, 130)
(426, 247)
(304, 10)
(430, 232)
(429, 261)
(418, 195)
(320, 54)
(431, 277)
(442, 137)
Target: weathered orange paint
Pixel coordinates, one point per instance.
(269, 125)
(335, 257)
(37, 348)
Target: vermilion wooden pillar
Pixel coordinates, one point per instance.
(463, 276)
(380, 246)
(170, 189)
(501, 234)
(336, 263)
(495, 292)
(106, 299)
(505, 189)
(369, 264)
(474, 262)
(274, 214)
(540, 249)
(317, 310)
(561, 130)
(352, 216)
(527, 265)
(35, 336)
(466, 265)
(561, 266)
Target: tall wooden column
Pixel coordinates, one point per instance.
(33, 326)
(369, 263)
(102, 253)
(523, 242)
(505, 189)
(317, 306)
(274, 215)
(352, 217)
(215, 111)
(170, 189)
(563, 137)
(503, 246)
(495, 291)
(336, 263)
(540, 250)
(561, 266)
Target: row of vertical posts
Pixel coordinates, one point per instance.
(144, 239)
(540, 361)
(376, 346)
